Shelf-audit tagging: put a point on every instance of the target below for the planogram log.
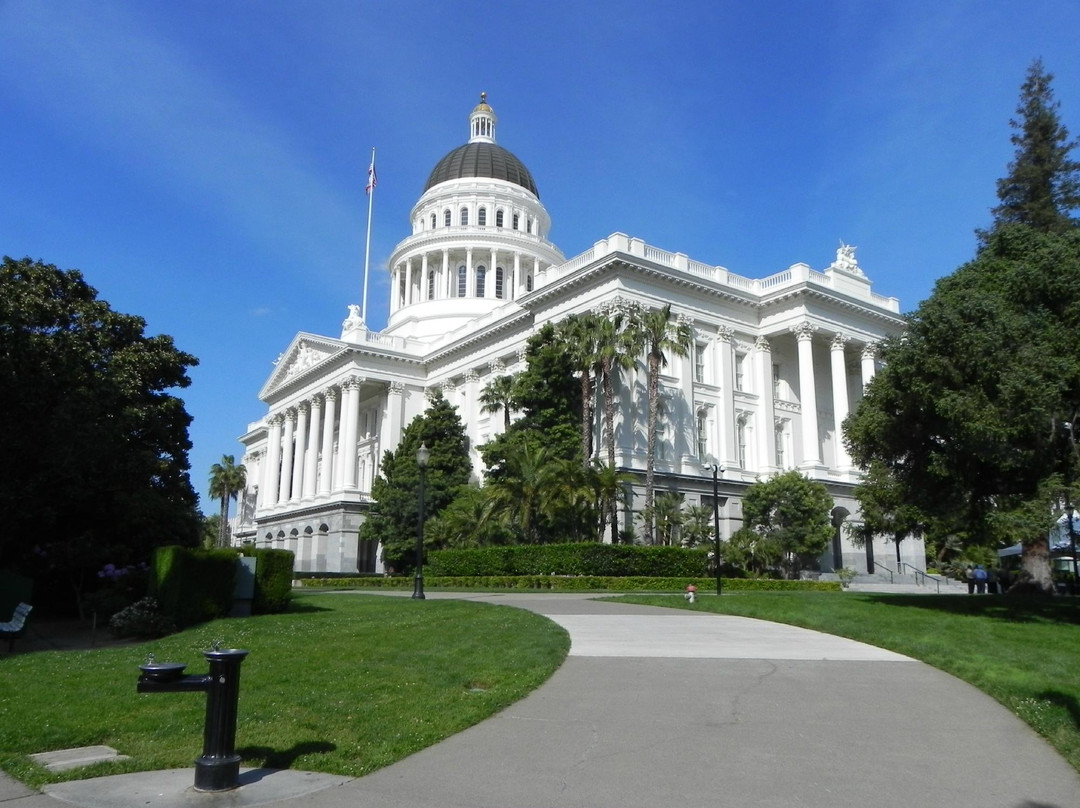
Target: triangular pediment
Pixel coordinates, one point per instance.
(305, 353)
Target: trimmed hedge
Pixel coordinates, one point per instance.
(192, 586)
(273, 579)
(575, 583)
(581, 558)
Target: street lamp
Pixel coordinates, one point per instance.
(423, 454)
(717, 470)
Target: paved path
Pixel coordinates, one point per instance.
(658, 707)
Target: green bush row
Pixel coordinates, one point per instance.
(273, 579)
(580, 558)
(562, 583)
(193, 586)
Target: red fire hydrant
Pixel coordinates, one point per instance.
(691, 593)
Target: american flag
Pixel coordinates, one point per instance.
(372, 180)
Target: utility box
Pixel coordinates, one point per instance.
(244, 593)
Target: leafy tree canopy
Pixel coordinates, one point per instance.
(95, 465)
(395, 514)
(792, 512)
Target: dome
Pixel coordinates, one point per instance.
(485, 160)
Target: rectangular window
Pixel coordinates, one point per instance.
(740, 371)
(702, 436)
(781, 439)
(699, 363)
(741, 439)
(776, 381)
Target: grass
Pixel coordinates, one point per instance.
(341, 684)
(1024, 653)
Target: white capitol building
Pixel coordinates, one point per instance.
(775, 366)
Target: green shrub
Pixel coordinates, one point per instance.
(193, 585)
(578, 583)
(141, 619)
(579, 558)
(273, 579)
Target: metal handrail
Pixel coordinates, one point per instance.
(879, 564)
(926, 576)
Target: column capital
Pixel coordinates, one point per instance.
(304, 407)
(725, 333)
(804, 331)
(762, 344)
(397, 388)
(353, 383)
(870, 350)
(317, 401)
(275, 420)
(290, 414)
(497, 367)
(330, 394)
(838, 341)
(471, 376)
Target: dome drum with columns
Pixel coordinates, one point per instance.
(775, 366)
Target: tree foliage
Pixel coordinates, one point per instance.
(227, 480)
(95, 465)
(1043, 183)
(395, 513)
(793, 513)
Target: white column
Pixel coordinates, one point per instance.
(302, 410)
(840, 397)
(394, 289)
(766, 435)
(489, 283)
(312, 456)
(470, 276)
(408, 281)
(804, 334)
(424, 270)
(268, 492)
(285, 487)
(725, 416)
(447, 289)
(516, 287)
(350, 413)
(395, 413)
(869, 362)
(327, 467)
(470, 409)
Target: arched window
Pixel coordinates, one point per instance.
(499, 282)
(431, 285)
(464, 217)
(462, 280)
(499, 218)
(481, 275)
(433, 221)
(529, 225)
(446, 218)
(517, 220)
(528, 283)
(481, 217)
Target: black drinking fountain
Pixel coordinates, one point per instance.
(218, 769)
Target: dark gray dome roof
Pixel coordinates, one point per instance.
(487, 160)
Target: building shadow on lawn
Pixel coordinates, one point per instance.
(269, 758)
(1012, 608)
(1060, 699)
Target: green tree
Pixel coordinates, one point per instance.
(500, 395)
(884, 510)
(525, 496)
(653, 332)
(96, 462)
(395, 513)
(614, 353)
(467, 522)
(227, 480)
(751, 551)
(1043, 183)
(579, 333)
(793, 512)
(697, 526)
(668, 517)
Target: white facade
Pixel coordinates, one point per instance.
(776, 364)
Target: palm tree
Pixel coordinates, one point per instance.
(227, 480)
(579, 332)
(500, 394)
(524, 496)
(653, 333)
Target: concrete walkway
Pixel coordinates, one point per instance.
(658, 707)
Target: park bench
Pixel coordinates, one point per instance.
(16, 626)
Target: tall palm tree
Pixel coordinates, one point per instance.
(579, 332)
(227, 480)
(522, 498)
(614, 352)
(500, 394)
(653, 333)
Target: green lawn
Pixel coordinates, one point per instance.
(1024, 653)
(343, 684)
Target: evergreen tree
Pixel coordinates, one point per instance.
(1043, 184)
(395, 512)
(793, 513)
(227, 480)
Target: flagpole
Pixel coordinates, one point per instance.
(367, 248)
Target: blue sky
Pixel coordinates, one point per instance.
(203, 163)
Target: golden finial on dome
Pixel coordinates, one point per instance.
(483, 98)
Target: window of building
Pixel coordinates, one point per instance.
(776, 381)
(702, 434)
(401, 288)
(430, 285)
(781, 444)
(741, 439)
(433, 221)
(528, 283)
(740, 371)
(481, 217)
(464, 217)
(529, 225)
(481, 275)
(699, 363)
(517, 221)
(499, 218)
(499, 283)
(462, 281)
(446, 218)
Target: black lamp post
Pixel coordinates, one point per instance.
(423, 454)
(717, 470)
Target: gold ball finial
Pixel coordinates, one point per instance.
(483, 98)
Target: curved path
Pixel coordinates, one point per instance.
(658, 707)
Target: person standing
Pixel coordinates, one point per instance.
(969, 574)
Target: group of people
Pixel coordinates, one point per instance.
(985, 581)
